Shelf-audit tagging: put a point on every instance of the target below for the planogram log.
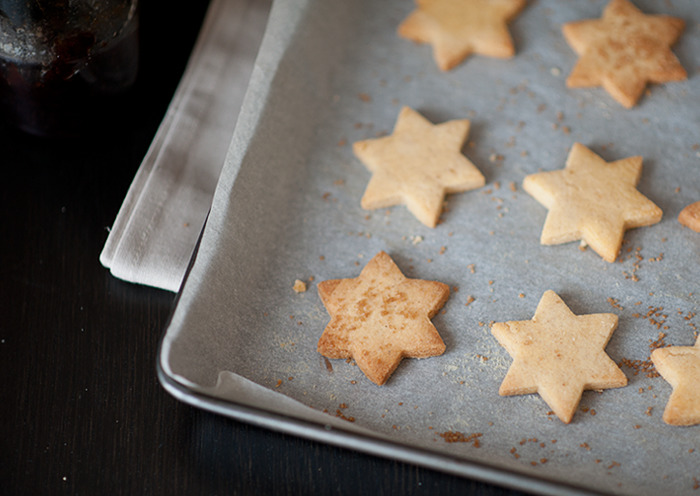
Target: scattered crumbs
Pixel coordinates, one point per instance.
(321, 258)
(342, 142)
(495, 157)
(459, 437)
(677, 190)
(657, 258)
(442, 250)
(497, 185)
(416, 239)
(339, 182)
(329, 365)
(613, 465)
(472, 268)
(299, 286)
(365, 97)
(513, 186)
(638, 258)
(637, 426)
(614, 303)
(521, 295)
(593, 412)
(482, 357)
(279, 383)
(470, 300)
(647, 412)
(339, 413)
(543, 460)
(585, 446)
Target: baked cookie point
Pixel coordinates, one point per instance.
(558, 355)
(624, 50)
(458, 28)
(680, 367)
(592, 200)
(417, 165)
(380, 317)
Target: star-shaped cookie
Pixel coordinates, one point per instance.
(458, 28)
(624, 50)
(680, 366)
(417, 165)
(558, 355)
(380, 317)
(592, 200)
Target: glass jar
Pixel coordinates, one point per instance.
(64, 62)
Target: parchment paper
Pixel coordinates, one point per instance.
(287, 207)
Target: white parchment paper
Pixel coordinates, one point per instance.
(287, 207)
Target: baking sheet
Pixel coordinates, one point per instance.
(287, 207)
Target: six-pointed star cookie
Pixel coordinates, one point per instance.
(417, 165)
(680, 366)
(380, 317)
(593, 200)
(558, 355)
(458, 28)
(624, 50)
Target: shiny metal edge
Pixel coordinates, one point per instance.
(366, 444)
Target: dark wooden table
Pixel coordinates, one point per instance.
(81, 409)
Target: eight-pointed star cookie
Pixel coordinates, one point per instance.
(624, 50)
(417, 165)
(458, 28)
(593, 200)
(380, 317)
(558, 355)
(680, 366)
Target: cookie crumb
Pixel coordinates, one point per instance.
(299, 286)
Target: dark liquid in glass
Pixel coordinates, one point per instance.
(66, 77)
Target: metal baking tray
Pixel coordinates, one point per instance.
(242, 343)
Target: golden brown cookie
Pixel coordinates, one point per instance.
(690, 216)
(417, 165)
(592, 200)
(558, 355)
(380, 317)
(458, 28)
(680, 366)
(624, 50)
